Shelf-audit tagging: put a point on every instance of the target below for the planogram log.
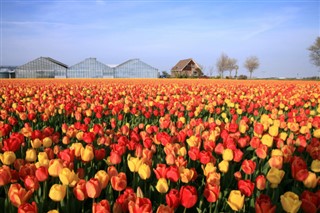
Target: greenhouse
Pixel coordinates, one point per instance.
(43, 67)
(135, 68)
(90, 68)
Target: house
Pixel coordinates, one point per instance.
(42, 67)
(90, 68)
(186, 68)
(135, 68)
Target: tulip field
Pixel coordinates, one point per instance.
(159, 145)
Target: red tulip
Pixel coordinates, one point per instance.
(188, 196)
(173, 198)
(211, 192)
(248, 166)
(246, 187)
(263, 205)
(101, 207)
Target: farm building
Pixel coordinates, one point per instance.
(90, 68)
(135, 68)
(43, 67)
(7, 71)
(186, 68)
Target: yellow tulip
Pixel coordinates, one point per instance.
(316, 133)
(55, 167)
(267, 140)
(43, 159)
(68, 177)
(31, 155)
(186, 175)
(87, 153)
(223, 166)
(290, 202)
(275, 176)
(236, 200)
(47, 142)
(57, 192)
(134, 163)
(8, 157)
(77, 147)
(274, 130)
(144, 171)
(162, 186)
(227, 155)
(311, 181)
(103, 178)
(315, 165)
(208, 168)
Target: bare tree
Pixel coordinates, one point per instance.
(222, 64)
(232, 63)
(251, 64)
(315, 52)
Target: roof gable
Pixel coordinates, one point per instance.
(43, 62)
(90, 63)
(182, 64)
(134, 61)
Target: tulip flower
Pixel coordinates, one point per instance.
(223, 166)
(102, 206)
(173, 198)
(290, 202)
(188, 196)
(211, 192)
(68, 177)
(5, 175)
(119, 181)
(235, 200)
(18, 195)
(261, 182)
(140, 205)
(162, 186)
(80, 191)
(103, 178)
(248, 166)
(263, 205)
(87, 153)
(55, 167)
(57, 192)
(28, 208)
(311, 181)
(315, 166)
(144, 171)
(275, 176)
(8, 157)
(93, 188)
(164, 209)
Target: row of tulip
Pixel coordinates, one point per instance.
(159, 146)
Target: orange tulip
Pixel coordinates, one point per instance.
(119, 181)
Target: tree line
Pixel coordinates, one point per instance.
(225, 63)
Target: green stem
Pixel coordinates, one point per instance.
(185, 210)
(210, 210)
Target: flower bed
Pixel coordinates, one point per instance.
(159, 146)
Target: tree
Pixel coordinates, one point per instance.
(222, 64)
(315, 52)
(251, 64)
(165, 74)
(232, 63)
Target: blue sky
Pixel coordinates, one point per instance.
(162, 32)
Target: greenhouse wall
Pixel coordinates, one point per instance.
(90, 68)
(42, 67)
(135, 69)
